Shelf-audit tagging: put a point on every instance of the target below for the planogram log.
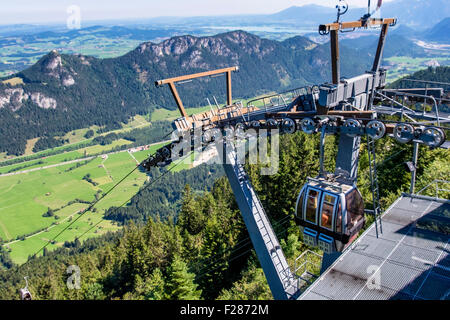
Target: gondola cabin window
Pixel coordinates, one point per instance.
(355, 208)
(329, 203)
(312, 201)
(339, 218)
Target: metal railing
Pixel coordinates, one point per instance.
(278, 99)
(404, 108)
(436, 183)
(305, 266)
(428, 82)
(336, 188)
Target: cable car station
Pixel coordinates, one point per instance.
(330, 209)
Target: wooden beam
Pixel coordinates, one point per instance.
(195, 75)
(355, 24)
(229, 97)
(380, 47)
(358, 114)
(335, 63)
(176, 96)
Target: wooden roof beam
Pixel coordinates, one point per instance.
(171, 82)
(355, 24)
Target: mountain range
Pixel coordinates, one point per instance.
(439, 32)
(63, 92)
(419, 14)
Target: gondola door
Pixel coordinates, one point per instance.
(311, 204)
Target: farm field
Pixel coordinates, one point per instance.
(77, 137)
(24, 198)
(165, 114)
(403, 66)
(63, 157)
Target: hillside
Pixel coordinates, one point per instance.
(63, 92)
(396, 45)
(439, 74)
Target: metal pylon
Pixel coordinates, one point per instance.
(281, 280)
(374, 183)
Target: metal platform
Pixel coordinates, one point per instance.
(409, 261)
(444, 117)
(280, 278)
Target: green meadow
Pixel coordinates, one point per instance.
(76, 137)
(24, 198)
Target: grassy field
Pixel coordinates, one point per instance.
(63, 157)
(77, 136)
(165, 114)
(14, 81)
(58, 158)
(25, 197)
(98, 148)
(403, 66)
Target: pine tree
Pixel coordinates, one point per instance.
(191, 216)
(180, 282)
(151, 288)
(49, 213)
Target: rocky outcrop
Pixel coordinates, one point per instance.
(14, 99)
(54, 67)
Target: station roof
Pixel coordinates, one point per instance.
(409, 260)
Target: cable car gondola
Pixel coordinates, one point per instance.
(25, 294)
(330, 211)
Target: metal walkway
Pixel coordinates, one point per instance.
(430, 116)
(409, 261)
(281, 280)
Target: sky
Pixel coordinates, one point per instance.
(46, 11)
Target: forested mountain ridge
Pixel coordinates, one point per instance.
(63, 92)
(437, 74)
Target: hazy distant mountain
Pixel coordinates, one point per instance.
(304, 15)
(66, 92)
(396, 45)
(440, 32)
(417, 14)
(405, 31)
(420, 14)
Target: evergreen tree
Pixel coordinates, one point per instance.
(180, 282)
(49, 213)
(151, 288)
